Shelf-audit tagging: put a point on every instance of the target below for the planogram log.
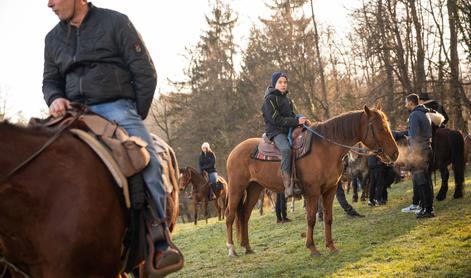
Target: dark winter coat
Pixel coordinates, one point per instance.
(419, 129)
(207, 162)
(278, 113)
(103, 60)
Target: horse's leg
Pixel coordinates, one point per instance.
(261, 201)
(205, 204)
(234, 195)
(311, 211)
(355, 189)
(445, 174)
(292, 204)
(327, 201)
(195, 210)
(458, 170)
(218, 209)
(253, 191)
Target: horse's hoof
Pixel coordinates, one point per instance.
(440, 197)
(334, 251)
(315, 254)
(233, 254)
(249, 251)
(458, 195)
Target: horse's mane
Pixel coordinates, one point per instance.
(9, 128)
(341, 127)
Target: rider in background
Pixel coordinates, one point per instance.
(207, 163)
(279, 117)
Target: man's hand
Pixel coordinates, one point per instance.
(58, 107)
(302, 120)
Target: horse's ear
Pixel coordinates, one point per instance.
(378, 106)
(367, 111)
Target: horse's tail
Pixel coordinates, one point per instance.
(457, 155)
(240, 217)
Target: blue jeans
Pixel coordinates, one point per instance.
(281, 142)
(124, 113)
(213, 178)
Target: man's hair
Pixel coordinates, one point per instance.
(414, 98)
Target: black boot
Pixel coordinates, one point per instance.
(286, 177)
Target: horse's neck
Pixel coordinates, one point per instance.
(197, 179)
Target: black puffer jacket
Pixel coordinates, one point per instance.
(207, 162)
(278, 113)
(103, 60)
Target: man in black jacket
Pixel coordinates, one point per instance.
(279, 118)
(96, 57)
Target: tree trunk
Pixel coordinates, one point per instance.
(420, 63)
(454, 67)
(388, 66)
(321, 67)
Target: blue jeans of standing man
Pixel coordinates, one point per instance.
(124, 113)
(281, 142)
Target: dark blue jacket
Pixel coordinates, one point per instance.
(207, 162)
(419, 129)
(278, 113)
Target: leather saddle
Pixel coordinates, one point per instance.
(301, 145)
(125, 156)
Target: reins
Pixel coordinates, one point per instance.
(356, 150)
(51, 140)
(12, 266)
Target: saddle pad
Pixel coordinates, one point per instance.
(267, 150)
(168, 161)
(107, 159)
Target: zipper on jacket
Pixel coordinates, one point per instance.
(77, 48)
(77, 44)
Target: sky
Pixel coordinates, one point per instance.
(167, 27)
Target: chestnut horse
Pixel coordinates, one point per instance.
(60, 215)
(200, 192)
(319, 171)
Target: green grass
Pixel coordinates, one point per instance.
(387, 243)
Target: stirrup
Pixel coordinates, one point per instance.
(151, 269)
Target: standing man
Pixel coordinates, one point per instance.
(419, 134)
(96, 57)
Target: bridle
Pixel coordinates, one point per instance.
(378, 150)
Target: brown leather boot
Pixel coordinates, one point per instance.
(286, 177)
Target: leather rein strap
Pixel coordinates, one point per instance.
(67, 123)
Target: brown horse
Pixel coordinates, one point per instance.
(60, 215)
(200, 192)
(319, 171)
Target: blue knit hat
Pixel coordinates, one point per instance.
(276, 75)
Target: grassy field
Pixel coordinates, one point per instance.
(386, 243)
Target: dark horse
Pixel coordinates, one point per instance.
(200, 192)
(448, 148)
(319, 172)
(60, 215)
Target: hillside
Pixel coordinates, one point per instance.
(386, 242)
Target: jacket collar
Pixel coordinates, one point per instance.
(91, 9)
